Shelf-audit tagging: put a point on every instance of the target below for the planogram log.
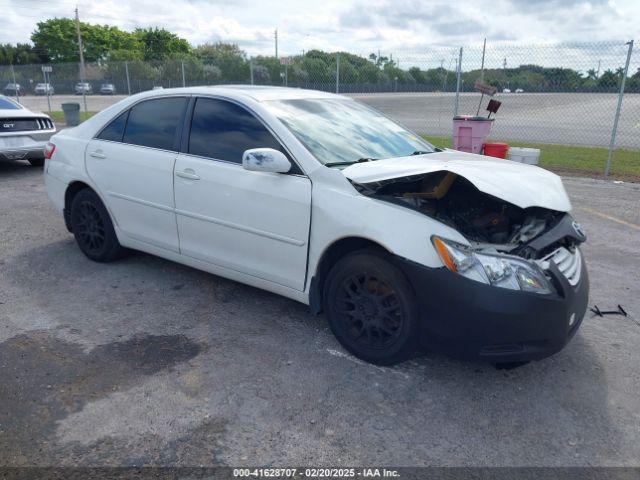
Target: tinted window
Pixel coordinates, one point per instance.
(115, 130)
(154, 123)
(223, 130)
(6, 104)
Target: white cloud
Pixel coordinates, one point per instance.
(361, 26)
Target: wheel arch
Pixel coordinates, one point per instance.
(334, 252)
(72, 190)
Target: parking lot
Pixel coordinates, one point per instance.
(145, 362)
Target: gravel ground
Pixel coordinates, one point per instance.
(562, 118)
(146, 362)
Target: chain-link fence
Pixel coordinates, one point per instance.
(551, 94)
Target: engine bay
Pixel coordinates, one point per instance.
(487, 222)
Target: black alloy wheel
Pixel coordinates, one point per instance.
(371, 308)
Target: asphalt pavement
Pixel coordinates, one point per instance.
(146, 362)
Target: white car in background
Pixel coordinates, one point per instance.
(321, 199)
(23, 133)
(44, 89)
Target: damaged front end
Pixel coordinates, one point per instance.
(491, 225)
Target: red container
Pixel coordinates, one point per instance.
(496, 149)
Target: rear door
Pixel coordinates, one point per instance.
(131, 161)
(256, 223)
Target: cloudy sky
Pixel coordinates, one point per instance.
(361, 26)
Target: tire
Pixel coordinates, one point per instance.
(36, 162)
(371, 308)
(93, 229)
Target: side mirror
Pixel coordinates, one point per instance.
(265, 160)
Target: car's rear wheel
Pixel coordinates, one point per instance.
(371, 308)
(36, 162)
(93, 229)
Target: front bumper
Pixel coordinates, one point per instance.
(474, 321)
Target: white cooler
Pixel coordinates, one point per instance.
(530, 156)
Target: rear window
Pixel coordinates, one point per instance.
(6, 104)
(154, 123)
(115, 130)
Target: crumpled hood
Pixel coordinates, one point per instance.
(517, 183)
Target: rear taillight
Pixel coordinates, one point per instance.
(48, 150)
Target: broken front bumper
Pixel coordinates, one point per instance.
(472, 320)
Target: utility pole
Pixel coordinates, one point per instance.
(82, 71)
(275, 35)
(598, 70)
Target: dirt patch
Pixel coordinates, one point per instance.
(45, 379)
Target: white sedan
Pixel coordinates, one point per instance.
(321, 199)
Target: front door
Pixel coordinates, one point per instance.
(252, 222)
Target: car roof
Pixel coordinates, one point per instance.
(258, 93)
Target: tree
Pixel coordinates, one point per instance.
(266, 70)
(228, 57)
(160, 44)
(58, 38)
(608, 79)
(20, 54)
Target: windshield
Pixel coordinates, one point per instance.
(6, 104)
(342, 131)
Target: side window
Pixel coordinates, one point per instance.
(224, 130)
(115, 130)
(154, 123)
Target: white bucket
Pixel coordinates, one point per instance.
(530, 156)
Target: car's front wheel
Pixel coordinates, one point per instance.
(93, 229)
(371, 308)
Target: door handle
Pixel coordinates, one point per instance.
(189, 174)
(98, 154)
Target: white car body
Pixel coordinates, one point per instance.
(240, 238)
(283, 232)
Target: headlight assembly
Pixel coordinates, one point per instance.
(497, 270)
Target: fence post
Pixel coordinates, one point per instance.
(15, 85)
(251, 70)
(617, 116)
(126, 69)
(458, 76)
(337, 73)
(184, 83)
(47, 81)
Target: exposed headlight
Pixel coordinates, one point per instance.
(496, 270)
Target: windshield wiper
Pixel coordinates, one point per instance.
(340, 164)
(420, 152)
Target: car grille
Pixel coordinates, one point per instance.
(568, 262)
(25, 124)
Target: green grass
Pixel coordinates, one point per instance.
(58, 116)
(579, 160)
